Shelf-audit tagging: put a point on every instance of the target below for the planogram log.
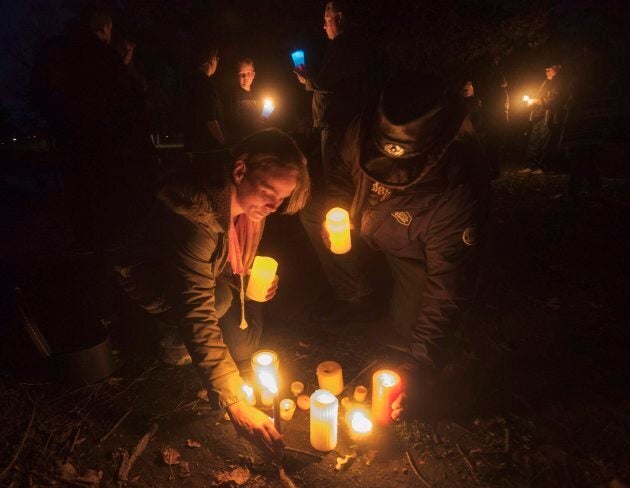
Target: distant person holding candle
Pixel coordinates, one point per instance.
(340, 87)
(417, 187)
(245, 112)
(204, 124)
(188, 265)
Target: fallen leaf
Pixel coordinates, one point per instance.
(170, 456)
(203, 394)
(184, 469)
(192, 443)
(238, 475)
(67, 472)
(300, 356)
(91, 477)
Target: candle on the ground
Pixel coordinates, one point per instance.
(287, 409)
(266, 397)
(324, 408)
(338, 227)
(297, 387)
(263, 273)
(249, 394)
(359, 424)
(265, 367)
(360, 392)
(330, 377)
(385, 389)
(304, 402)
(268, 107)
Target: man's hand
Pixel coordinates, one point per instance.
(255, 426)
(271, 292)
(399, 407)
(300, 78)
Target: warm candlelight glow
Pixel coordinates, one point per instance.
(263, 273)
(525, 98)
(360, 425)
(304, 402)
(297, 387)
(360, 392)
(265, 367)
(266, 397)
(249, 394)
(385, 389)
(338, 227)
(330, 377)
(268, 107)
(323, 428)
(287, 409)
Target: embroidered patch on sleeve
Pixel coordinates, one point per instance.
(469, 236)
(403, 218)
(382, 192)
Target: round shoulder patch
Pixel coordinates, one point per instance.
(469, 236)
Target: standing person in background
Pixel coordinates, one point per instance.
(245, 113)
(204, 121)
(340, 87)
(546, 117)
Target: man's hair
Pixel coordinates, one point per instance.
(204, 52)
(241, 61)
(274, 148)
(95, 16)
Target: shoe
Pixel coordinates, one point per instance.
(538, 171)
(173, 351)
(356, 310)
(524, 171)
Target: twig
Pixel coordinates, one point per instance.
(468, 463)
(415, 469)
(358, 375)
(116, 425)
(284, 478)
(74, 442)
(305, 453)
(462, 428)
(19, 449)
(126, 465)
(506, 441)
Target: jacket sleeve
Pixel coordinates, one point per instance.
(193, 286)
(452, 258)
(340, 67)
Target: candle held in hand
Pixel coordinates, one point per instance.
(298, 59)
(330, 377)
(323, 428)
(386, 387)
(249, 394)
(338, 227)
(268, 107)
(263, 272)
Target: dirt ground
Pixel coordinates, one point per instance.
(545, 402)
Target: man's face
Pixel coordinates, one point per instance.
(468, 90)
(212, 65)
(261, 192)
(332, 21)
(551, 72)
(246, 75)
(105, 34)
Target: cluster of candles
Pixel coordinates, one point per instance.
(323, 403)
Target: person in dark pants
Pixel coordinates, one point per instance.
(418, 190)
(546, 117)
(188, 266)
(340, 87)
(204, 128)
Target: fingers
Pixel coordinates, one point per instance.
(271, 292)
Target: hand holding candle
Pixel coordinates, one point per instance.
(261, 278)
(338, 227)
(298, 59)
(268, 107)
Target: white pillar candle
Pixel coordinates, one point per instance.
(297, 387)
(265, 368)
(262, 275)
(338, 227)
(287, 409)
(359, 424)
(266, 397)
(249, 394)
(324, 409)
(360, 392)
(385, 389)
(330, 377)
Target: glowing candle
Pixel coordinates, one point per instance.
(346, 403)
(268, 107)
(360, 392)
(525, 98)
(287, 409)
(338, 226)
(263, 273)
(359, 424)
(266, 397)
(324, 408)
(385, 389)
(265, 367)
(330, 377)
(297, 387)
(304, 402)
(298, 58)
(249, 394)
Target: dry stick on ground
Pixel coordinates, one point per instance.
(506, 441)
(305, 453)
(19, 449)
(415, 469)
(468, 463)
(116, 425)
(126, 465)
(74, 442)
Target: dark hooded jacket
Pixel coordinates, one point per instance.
(439, 221)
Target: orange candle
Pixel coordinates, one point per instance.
(386, 387)
(338, 227)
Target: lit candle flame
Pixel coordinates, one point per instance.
(248, 390)
(264, 359)
(525, 98)
(360, 423)
(268, 381)
(268, 107)
(387, 380)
